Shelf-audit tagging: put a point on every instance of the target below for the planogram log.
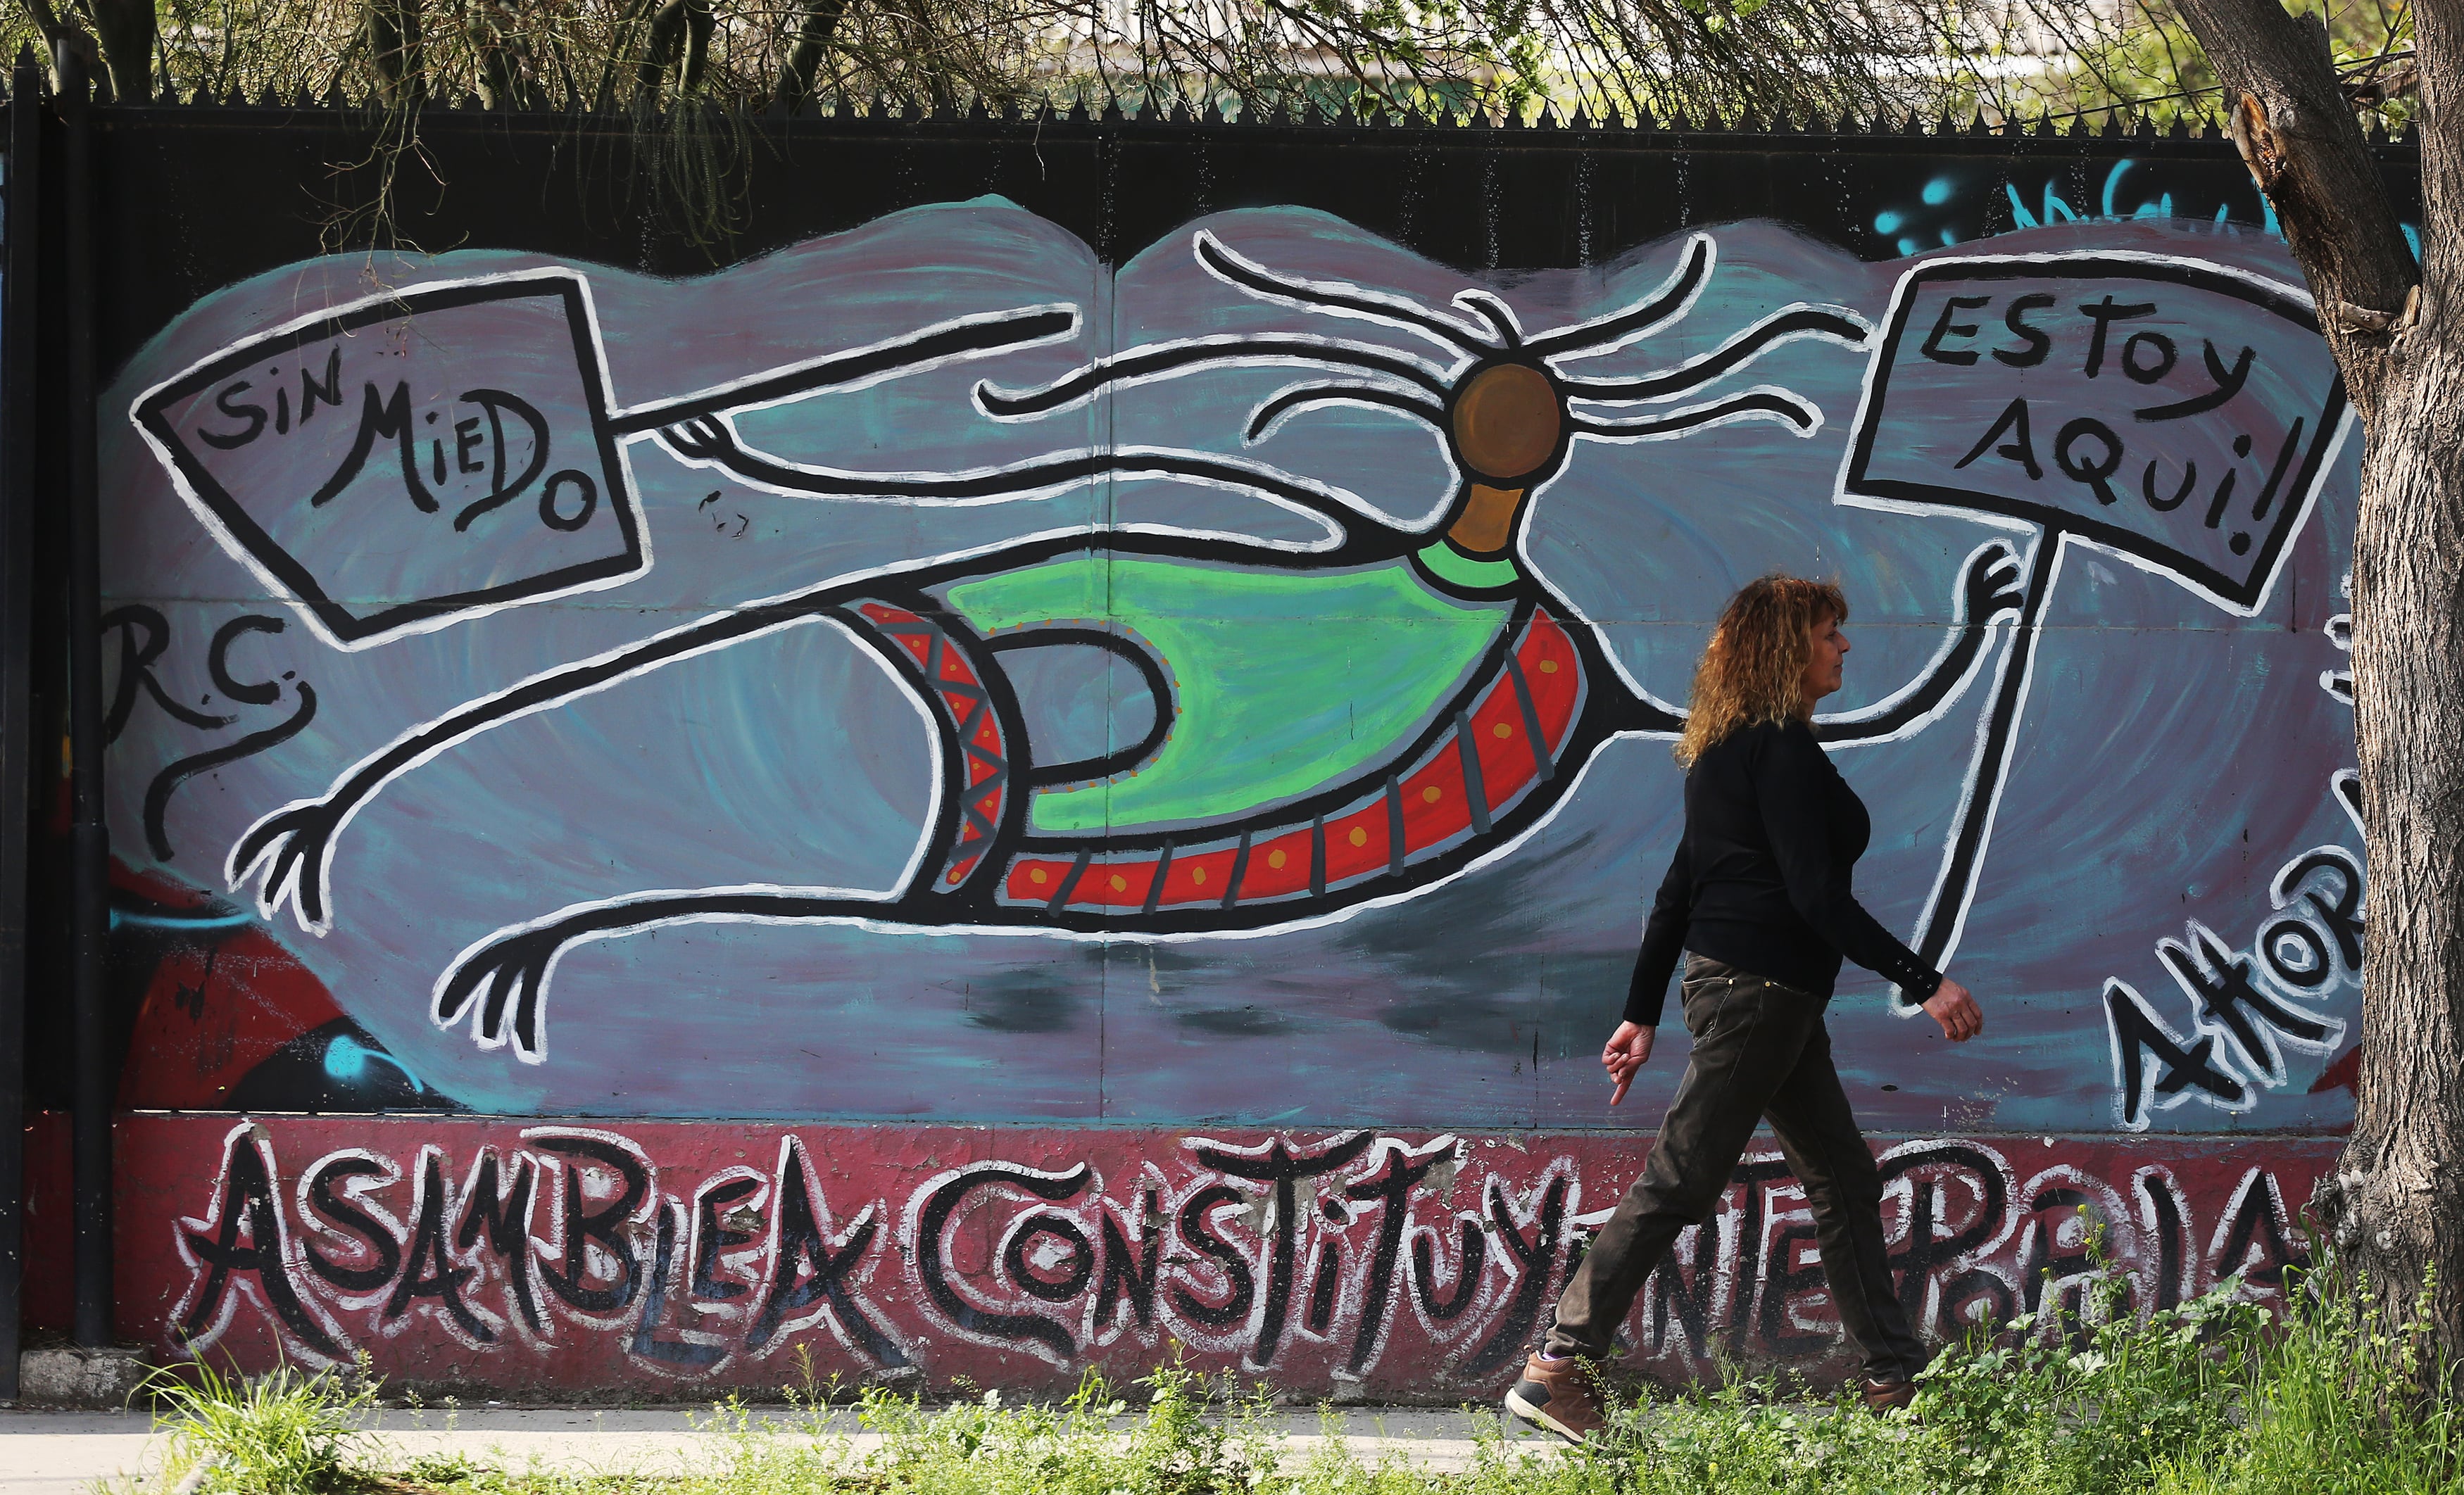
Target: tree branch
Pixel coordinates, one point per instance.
(680, 35)
(819, 23)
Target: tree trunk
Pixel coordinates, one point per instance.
(125, 28)
(2397, 1203)
(401, 56)
(803, 65)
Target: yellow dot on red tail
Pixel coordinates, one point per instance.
(1120, 884)
(1036, 876)
(1502, 730)
(1359, 836)
(1548, 667)
(1275, 860)
(1197, 877)
(1432, 794)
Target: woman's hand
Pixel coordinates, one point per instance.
(1628, 1049)
(1951, 1007)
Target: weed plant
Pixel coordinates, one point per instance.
(286, 1433)
(2216, 1396)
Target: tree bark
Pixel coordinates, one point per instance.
(125, 28)
(401, 56)
(2396, 1205)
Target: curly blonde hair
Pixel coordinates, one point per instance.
(1753, 670)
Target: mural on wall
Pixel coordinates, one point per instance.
(928, 673)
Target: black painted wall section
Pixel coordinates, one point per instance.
(196, 197)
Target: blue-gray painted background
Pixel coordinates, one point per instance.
(2170, 758)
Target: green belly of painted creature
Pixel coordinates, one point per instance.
(1286, 681)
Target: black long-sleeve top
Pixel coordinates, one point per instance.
(1762, 875)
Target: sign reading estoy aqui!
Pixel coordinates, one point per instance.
(2177, 414)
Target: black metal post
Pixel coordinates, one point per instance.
(21, 243)
(90, 842)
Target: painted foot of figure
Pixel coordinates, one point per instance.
(288, 854)
(505, 977)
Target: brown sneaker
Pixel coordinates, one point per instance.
(1888, 1395)
(1559, 1395)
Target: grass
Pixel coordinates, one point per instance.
(2214, 1398)
(281, 1434)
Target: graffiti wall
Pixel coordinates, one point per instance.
(1200, 707)
(471, 1255)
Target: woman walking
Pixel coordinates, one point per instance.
(1758, 899)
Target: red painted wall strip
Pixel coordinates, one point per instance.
(684, 1258)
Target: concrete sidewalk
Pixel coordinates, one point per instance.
(66, 1453)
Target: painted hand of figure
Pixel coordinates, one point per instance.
(1951, 1007)
(1628, 1049)
(1992, 586)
